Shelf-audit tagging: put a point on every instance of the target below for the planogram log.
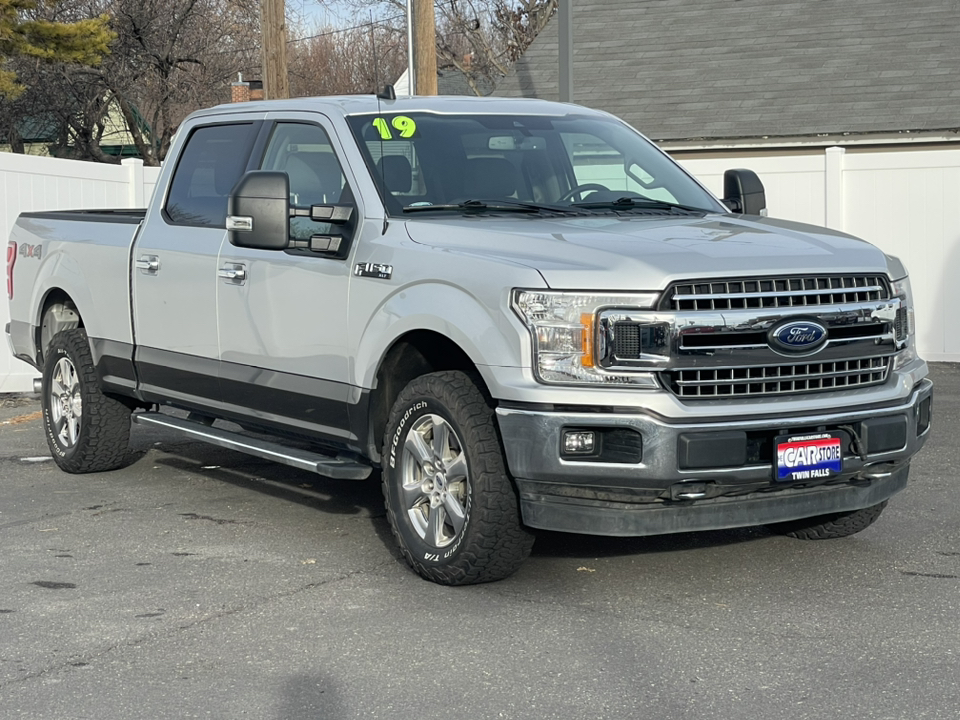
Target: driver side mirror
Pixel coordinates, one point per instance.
(743, 192)
(258, 211)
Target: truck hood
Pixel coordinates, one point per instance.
(644, 253)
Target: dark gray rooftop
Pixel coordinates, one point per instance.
(690, 69)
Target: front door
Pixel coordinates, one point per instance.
(283, 314)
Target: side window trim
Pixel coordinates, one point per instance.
(256, 128)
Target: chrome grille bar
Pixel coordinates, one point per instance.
(775, 292)
(777, 379)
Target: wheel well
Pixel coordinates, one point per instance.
(59, 313)
(412, 355)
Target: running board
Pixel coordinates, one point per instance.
(337, 468)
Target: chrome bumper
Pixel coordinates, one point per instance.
(649, 497)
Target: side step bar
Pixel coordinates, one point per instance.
(337, 468)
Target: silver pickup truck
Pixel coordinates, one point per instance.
(521, 313)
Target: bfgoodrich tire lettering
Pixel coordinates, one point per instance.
(450, 503)
(828, 527)
(86, 430)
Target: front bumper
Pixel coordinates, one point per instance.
(651, 496)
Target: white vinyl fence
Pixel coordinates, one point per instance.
(907, 202)
(29, 183)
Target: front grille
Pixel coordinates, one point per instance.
(777, 379)
(775, 292)
(626, 340)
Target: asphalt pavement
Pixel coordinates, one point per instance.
(201, 583)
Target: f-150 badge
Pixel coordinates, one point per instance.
(373, 270)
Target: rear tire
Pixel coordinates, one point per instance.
(828, 527)
(86, 430)
(451, 505)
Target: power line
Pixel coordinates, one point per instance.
(318, 35)
(382, 21)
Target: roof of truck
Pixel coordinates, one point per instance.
(365, 104)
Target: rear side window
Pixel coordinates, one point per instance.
(210, 165)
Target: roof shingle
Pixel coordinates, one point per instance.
(686, 69)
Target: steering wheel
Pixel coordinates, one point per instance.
(580, 189)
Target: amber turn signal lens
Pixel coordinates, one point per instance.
(586, 360)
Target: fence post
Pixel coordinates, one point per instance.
(136, 193)
(833, 182)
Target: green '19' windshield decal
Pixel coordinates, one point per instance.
(406, 127)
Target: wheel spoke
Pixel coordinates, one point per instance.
(59, 425)
(441, 438)
(454, 511)
(412, 494)
(435, 526)
(457, 468)
(71, 377)
(417, 446)
(73, 425)
(56, 389)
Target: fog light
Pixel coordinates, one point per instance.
(579, 442)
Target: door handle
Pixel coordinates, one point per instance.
(235, 273)
(148, 264)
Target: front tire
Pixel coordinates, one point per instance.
(451, 505)
(829, 527)
(86, 430)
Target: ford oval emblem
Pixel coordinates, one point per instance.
(797, 337)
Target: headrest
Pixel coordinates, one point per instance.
(396, 173)
(490, 177)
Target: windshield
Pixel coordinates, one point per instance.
(422, 160)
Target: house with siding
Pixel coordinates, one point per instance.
(720, 74)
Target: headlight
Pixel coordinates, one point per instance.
(905, 325)
(563, 328)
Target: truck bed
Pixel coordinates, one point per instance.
(85, 251)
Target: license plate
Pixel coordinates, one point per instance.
(809, 457)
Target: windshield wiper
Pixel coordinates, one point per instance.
(637, 203)
(515, 206)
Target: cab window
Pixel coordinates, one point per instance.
(210, 164)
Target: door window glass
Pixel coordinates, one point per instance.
(304, 152)
(210, 165)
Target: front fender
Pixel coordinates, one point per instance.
(481, 329)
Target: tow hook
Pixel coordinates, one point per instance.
(691, 490)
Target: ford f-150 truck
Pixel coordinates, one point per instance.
(522, 314)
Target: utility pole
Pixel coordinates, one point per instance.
(565, 47)
(273, 29)
(424, 47)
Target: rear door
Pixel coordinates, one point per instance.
(174, 280)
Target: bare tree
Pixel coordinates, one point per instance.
(353, 60)
(169, 57)
(172, 57)
(480, 38)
